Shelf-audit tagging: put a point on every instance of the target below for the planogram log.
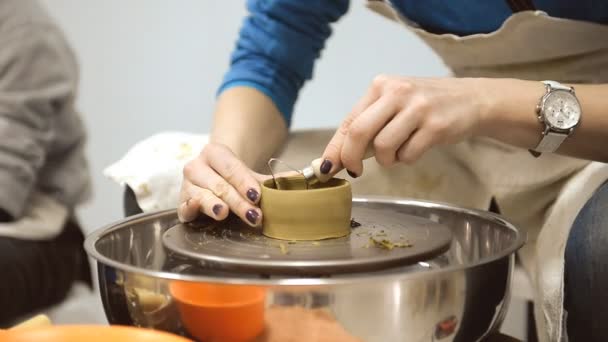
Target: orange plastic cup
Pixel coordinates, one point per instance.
(222, 313)
(88, 333)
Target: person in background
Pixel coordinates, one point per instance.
(43, 170)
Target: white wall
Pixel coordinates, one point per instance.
(154, 65)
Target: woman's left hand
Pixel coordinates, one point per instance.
(401, 118)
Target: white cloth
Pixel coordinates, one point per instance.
(153, 168)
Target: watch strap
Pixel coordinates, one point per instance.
(557, 85)
(550, 142)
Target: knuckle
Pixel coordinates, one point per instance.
(232, 169)
(346, 123)
(380, 80)
(406, 157)
(207, 149)
(343, 129)
(357, 132)
(385, 153)
(189, 170)
(422, 104)
(242, 184)
(381, 145)
(438, 127)
(347, 160)
(332, 149)
(207, 196)
(220, 189)
(401, 88)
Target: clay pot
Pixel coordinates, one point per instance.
(294, 212)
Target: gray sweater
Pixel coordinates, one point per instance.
(41, 134)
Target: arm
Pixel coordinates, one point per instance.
(264, 125)
(401, 118)
(275, 54)
(515, 110)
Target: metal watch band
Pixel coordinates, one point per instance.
(550, 142)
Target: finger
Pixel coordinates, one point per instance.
(197, 200)
(363, 130)
(233, 170)
(415, 147)
(188, 211)
(388, 141)
(331, 155)
(207, 178)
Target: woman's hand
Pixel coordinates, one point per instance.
(401, 118)
(216, 182)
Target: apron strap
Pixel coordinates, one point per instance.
(521, 5)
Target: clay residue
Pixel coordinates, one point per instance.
(283, 248)
(386, 244)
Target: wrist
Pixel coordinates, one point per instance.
(507, 110)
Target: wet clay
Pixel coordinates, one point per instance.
(293, 212)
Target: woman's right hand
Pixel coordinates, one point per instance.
(217, 181)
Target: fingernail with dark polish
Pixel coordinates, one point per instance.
(252, 216)
(216, 209)
(352, 174)
(252, 195)
(326, 166)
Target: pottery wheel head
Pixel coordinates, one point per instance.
(380, 238)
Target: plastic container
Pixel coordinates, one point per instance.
(223, 313)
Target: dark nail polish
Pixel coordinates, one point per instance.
(252, 216)
(352, 174)
(326, 166)
(252, 195)
(216, 209)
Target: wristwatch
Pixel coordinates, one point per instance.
(560, 112)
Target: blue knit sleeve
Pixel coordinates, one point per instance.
(278, 45)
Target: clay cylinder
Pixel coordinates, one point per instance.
(295, 213)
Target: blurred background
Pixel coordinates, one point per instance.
(154, 65)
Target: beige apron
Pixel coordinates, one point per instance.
(541, 196)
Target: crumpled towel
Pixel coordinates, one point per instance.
(153, 168)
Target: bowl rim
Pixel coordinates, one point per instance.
(520, 239)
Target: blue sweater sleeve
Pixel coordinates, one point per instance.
(278, 45)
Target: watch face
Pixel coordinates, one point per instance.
(561, 109)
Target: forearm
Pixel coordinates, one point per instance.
(249, 123)
(510, 117)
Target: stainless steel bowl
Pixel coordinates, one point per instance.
(461, 295)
